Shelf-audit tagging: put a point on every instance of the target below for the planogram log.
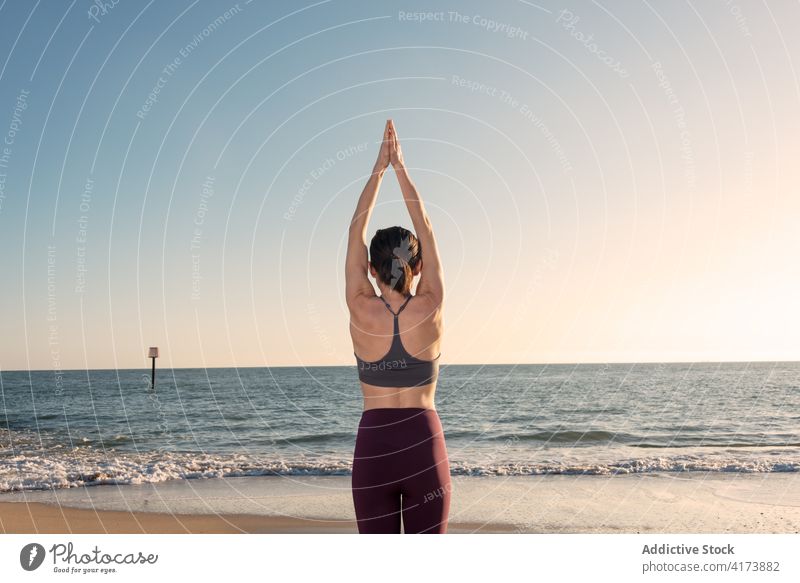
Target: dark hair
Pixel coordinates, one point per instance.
(394, 252)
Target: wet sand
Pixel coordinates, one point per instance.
(640, 503)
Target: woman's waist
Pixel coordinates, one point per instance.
(398, 397)
(399, 412)
(411, 423)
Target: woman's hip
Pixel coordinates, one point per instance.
(385, 431)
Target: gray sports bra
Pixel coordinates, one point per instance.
(398, 368)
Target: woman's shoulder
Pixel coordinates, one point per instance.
(428, 302)
(365, 307)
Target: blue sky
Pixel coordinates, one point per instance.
(613, 182)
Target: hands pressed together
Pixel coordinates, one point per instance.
(390, 152)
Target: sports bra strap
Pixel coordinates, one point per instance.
(400, 309)
(404, 305)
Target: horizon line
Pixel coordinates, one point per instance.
(147, 366)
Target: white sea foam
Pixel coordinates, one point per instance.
(26, 472)
(634, 466)
(93, 468)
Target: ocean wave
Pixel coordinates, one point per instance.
(566, 436)
(717, 445)
(26, 472)
(635, 466)
(649, 441)
(318, 438)
(91, 468)
(49, 416)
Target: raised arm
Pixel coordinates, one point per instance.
(431, 282)
(357, 284)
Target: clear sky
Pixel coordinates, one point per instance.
(617, 182)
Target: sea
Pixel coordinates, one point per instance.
(64, 429)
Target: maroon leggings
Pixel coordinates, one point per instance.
(400, 466)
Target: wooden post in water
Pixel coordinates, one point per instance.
(153, 354)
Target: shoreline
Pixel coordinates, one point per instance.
(678, 502)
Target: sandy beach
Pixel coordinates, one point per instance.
(36, 517)
(696, 502)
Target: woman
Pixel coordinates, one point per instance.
(400, 465)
